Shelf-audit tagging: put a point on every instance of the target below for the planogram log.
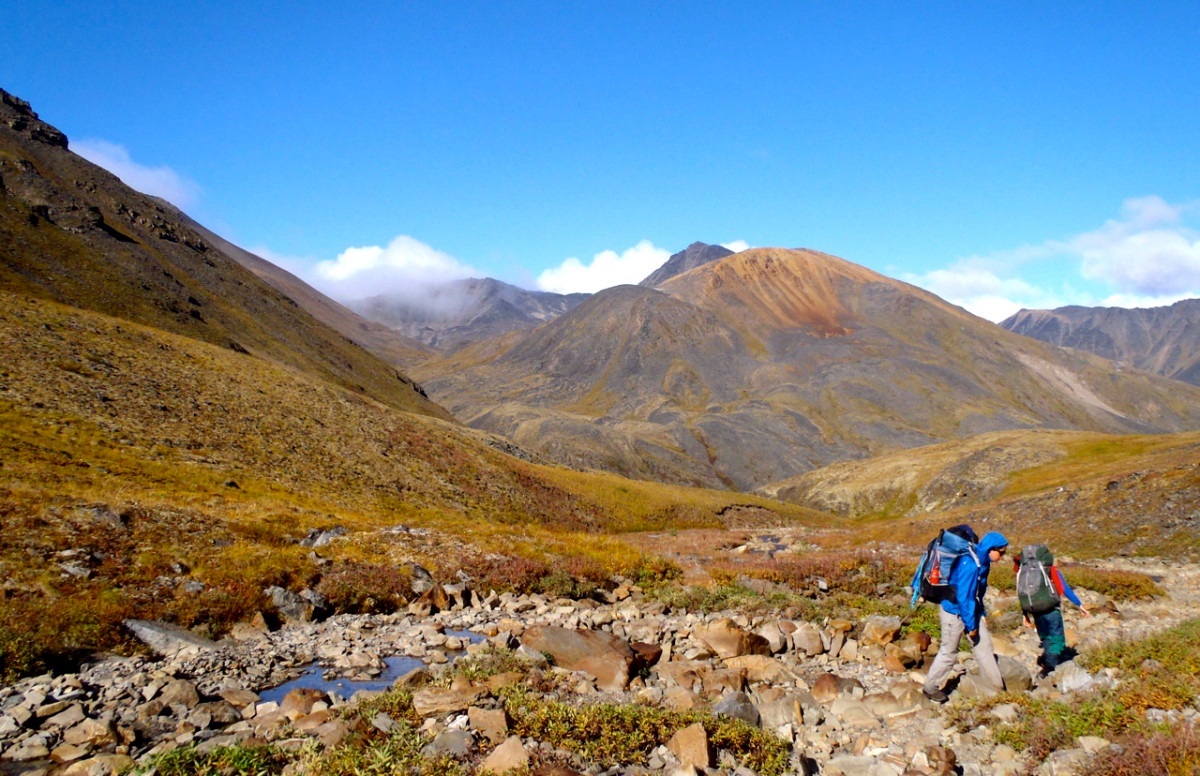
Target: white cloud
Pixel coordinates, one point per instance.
(159, 181)
(607, 269)
(1152, 252)
(403, 267)
(1149, 256)
(976, 285)
(737, 246)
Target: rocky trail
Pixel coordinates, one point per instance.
(846, 694)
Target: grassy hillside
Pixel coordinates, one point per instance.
(131, 456)
(1085, 494)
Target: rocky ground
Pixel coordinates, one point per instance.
(845, 693)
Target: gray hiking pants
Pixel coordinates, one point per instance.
(952, 633)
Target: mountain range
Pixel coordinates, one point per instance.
(1161, 340)
(720, 370)
(750, 368)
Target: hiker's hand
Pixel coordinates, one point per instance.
(1085, 611)
(973, 636)
(1026, 622)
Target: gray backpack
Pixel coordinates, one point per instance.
(1035, 591)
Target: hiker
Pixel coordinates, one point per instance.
(1040, 589)
(964, 614)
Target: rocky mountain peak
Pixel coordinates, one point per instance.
(695, 255)
(20, 117)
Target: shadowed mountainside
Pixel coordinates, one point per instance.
(772, 362)
(386, 343)
(73, 233)
(1160, 340)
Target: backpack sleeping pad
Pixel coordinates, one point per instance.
(1035, 590)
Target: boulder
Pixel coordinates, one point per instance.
(727, 640)
(509, 756)
(879, 630)
(760, 668)
(604, 656)
(434, 701)
(738, 706)
(691, 746)
(168, 640)
(1016, 676)
(491, 724)
(807, 639)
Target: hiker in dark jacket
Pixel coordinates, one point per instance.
(1050, 623)
(963, 614)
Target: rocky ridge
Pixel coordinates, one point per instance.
(845, 694)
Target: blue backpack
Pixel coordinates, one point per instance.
(931, 582)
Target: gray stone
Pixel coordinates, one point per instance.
(168, 640)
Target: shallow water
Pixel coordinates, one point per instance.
(314, 678)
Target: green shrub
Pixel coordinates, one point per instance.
(1172, 751)
(1116, 584)
(366, 588)
(222, 761)
(1174, 648)
(626, 734)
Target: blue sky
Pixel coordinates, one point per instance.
(1002, 155)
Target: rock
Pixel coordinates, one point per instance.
(430, 602)
(1070, 677)
(727, 640)
(760, 668)
(179, 691)
(972, 685)
(91, 733)
(291, 607)
(434, 701)
(509, 756)
(300, 702)
(682, 699)
(1016, 676)
(691, 746)
(738, 706)
(879, 630)
(491, 724)
(168, 640)
(781, 712)
(807, 639)
(100, 765)
(68, 753)
(602, 655)
(457, 744)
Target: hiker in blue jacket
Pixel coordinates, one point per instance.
(964, 614)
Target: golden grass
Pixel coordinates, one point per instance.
(215, 464)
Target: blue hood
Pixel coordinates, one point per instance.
(990, 541)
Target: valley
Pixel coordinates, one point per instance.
(718, 479)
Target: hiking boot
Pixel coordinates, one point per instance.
(937, 696)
